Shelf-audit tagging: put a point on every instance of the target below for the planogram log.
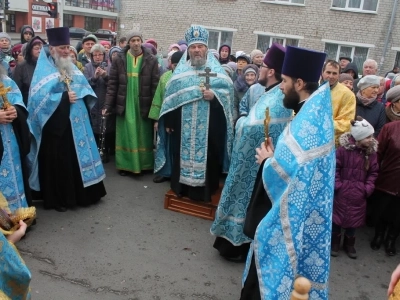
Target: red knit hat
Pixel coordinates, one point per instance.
(103, 43)
(16, 50)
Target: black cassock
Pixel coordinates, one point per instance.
(215, 155)
(59, 174)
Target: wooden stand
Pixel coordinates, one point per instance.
(302, 287)
(204, 210)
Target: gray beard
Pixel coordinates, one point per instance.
(198, 62)
(63, 64)
(3, 72)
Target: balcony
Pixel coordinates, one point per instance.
(106, 6)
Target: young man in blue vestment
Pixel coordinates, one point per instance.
(16, 139)
(230, 217)
(293, 239)
(195, 128)
(66, 165)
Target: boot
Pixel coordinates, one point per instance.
(378, 237)
(390, 244)
(348, 245)
(335, 244)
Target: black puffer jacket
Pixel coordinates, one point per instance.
(117, 83)
(23, 72)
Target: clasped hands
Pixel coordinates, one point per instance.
(8, 115)
(100, 73)
(265, 151)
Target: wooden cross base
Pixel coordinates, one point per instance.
(204, 210)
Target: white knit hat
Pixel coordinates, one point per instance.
(361, 129)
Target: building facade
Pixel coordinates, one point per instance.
(88, 14)
(355, 28)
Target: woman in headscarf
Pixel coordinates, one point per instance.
(74, 56)
(242, 84)
(367, 105)
(224, 53)
(96, 72)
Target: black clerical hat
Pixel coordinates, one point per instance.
(58, 36)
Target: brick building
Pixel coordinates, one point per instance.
(356, 28)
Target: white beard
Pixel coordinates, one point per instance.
(63, 64)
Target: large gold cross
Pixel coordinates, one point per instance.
(3, 94)
(67, 79)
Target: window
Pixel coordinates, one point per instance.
(357, 54)
(356, 5)
(68, 20)
(92, 23)
(285, 1)
(219, 36)
(397, 59)
(265, 41)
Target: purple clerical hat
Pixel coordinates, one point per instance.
(275, 57)
(58, 36)
(303, 63)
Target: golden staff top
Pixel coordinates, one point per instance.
(66, 79)
(266, 124)
(3, 94)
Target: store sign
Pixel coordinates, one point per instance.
(39, 9)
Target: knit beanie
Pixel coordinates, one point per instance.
(367, 81)
(228, 70)
(103, 43)
(176, 57)
(233, 65)
(393, 94)
(151, 48)
(173, 46)
(16, 50)
(361, 128)
(345, 76)
(5, 35)
(72, 48)
(254, 53)
(131, 34)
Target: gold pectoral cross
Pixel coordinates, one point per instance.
(266, 124)
(3, 94)
(66, 79)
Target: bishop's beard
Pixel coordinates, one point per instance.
(63, 63)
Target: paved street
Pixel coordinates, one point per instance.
(129, 247)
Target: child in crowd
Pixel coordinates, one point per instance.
(356, 172)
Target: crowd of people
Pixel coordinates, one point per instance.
(310, 148)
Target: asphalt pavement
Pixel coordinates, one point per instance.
(129, 247)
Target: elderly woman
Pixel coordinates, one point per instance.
(242, 84)
(393, 109)
(96, 72)
(367, 105)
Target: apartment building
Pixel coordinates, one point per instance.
(355, 28)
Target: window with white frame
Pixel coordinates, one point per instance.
(356, 5)
(264, 42)
(357, 54)
(218, 38)
(285, 1)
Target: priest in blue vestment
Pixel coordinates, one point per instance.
(231, 241)
(293, 239)
(65, 163)
(195, 128)
(16, 140)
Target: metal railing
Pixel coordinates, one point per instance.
(108, 5)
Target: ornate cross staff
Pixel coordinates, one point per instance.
(207, 75)
(3, 94)
(266, 124)
(67, 79)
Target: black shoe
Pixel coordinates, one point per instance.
(61, 208)
(390, 245)
(159, 179)
(377, 241)
(123, 173)
(238, 259)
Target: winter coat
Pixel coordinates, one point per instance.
(389, 159)
(117, 83)
(23, 72)
(353, 183)
(99, 86)
(374, 113)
